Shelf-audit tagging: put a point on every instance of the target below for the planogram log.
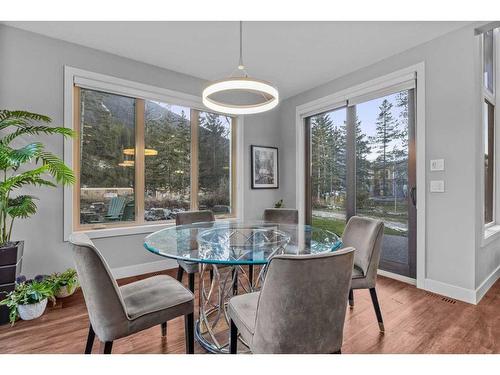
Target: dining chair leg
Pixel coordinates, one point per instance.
(351, 298)
(108, 345)
(90, 340)
(250, 274)
(233, 339)
(189, 332)
(164, 329)
(191, 282)
(180, 272)
(376, 306)
(235, 281)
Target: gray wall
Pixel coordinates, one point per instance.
(261, 130)
(452, 131)
(31, 78)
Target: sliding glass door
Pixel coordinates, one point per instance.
(361, 161)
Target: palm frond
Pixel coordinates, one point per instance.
(22, 206)
(36, 130)
(5, 113)
(16, 157)
(20, 118)
(56, 167)
(31, 177)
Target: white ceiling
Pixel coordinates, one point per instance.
(295, 56)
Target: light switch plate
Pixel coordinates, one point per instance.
(437, 186)
(437, 165)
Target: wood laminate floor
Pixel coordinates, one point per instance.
(416, 321)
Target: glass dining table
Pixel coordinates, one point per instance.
(233, 256)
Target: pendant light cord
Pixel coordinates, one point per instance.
(241, 66)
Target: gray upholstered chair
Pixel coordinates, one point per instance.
(184, 218)
(301, 307)
(365, 235)
(118, 311)
(281, 215)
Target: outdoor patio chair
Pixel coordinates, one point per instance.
(115, 209)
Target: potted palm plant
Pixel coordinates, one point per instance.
(24, 164)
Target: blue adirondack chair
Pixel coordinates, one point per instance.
(115, 209)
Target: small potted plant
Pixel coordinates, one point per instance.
(64, 283)
(279, 204)
(29, 298)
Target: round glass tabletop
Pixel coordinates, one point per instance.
(239, 243)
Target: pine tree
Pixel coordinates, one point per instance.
(363, 166)
(214, 158)
(328, 156)
(386, 132)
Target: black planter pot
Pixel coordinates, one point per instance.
(11, 259)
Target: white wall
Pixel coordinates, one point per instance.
(452, 132)
(31, 78)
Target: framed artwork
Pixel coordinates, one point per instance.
(265, 174)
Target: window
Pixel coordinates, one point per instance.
(489, 161)
(142, 161)
(489, 103)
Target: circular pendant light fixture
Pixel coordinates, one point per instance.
(268, 95)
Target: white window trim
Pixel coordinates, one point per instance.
(490, 231)
(375, 86)
(121, 86)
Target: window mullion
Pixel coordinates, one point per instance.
(77, 142)
(232, 179)
(139, 161)
(194, 159)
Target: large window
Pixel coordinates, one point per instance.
(142, 161)
(489, 101)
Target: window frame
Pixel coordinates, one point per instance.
(491, 98)
(76, 79)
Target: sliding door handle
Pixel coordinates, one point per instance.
(413, 195)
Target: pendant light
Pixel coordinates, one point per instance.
(241, 83)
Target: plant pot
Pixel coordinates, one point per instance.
(65, 291)
(11, 259)
(32, 310)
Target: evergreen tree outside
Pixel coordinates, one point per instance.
(328, 164)
(386, 132)
(214, 136)
(363, 167)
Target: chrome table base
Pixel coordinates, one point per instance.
(212, 327)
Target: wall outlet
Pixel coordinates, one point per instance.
(437, 165)
(437, 186)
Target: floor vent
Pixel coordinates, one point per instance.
(448, 300)
(444, 299)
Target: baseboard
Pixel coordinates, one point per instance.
(142, 268)
(395, 276)
(452, 291)
(487, 284)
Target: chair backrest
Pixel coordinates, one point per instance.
(365, 235)
(191, 217)
(281, 215)
(100, 290)
(303, 302)
(116, 206)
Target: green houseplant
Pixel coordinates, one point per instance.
(29, 298)
(23, 163)
(29, 164)
(65, 283)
